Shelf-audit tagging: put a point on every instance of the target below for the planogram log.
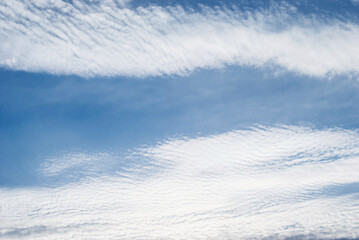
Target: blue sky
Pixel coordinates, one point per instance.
(191, 119)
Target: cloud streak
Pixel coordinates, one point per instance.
(274, 182)
(105, 39)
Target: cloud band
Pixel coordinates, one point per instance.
(274, 182)
(105, 39)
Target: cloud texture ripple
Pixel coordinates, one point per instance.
(105, 39)
(253, 183)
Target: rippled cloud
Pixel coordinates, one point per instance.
(106, 39)
(275, 182)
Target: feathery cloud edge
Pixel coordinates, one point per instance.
(105, 39)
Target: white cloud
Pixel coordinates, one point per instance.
(263, 182)
(104, 39)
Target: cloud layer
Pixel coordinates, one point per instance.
(105, 39)
(274, 182)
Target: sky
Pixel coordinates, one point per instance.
(131, 119)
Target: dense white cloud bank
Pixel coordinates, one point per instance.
(264, 182)
(104, 39)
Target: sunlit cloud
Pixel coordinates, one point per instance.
(274, 182)
(103, 38)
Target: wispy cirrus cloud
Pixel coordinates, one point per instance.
(274, 182)
(74, 162)
(104, 39)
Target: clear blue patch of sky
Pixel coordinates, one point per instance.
(339, 190)
(42, 115)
